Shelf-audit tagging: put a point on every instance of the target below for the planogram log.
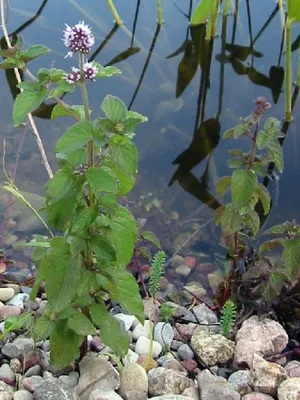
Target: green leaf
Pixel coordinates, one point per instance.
(73, 159)
(262, 139)
(123, 234)
(223, 184)
(127, 294)
(114, 108)
(243, 183)
(60, 111)
(80, 324)
(25, 103)
(291, 256)
(75, 138)
(61, 88)
(251, 218)
(231, 220)
(133, 119)
(273, 127)
(34, 52)
(63, 184)
(270, 245)
(275, 230)
(236, 163)
(274, 286)
(126, 182)
(61, 272)
(124, 155)
(64, 344)
(259, 168)
(110, 331)
(150, 237)
(103, 249)
(43, 328)
(240, 129)
(106, 72)
(264, 197)
(202, 12)
(102, 179)
(293, 10)
(236, 153)
(229, 134)
(277, 154)
(84, 220)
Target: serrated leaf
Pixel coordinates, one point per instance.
(124, 155)
(277, 154)
(60, 111)
(62, 184)
(64, 344)
(103, 249)
(270, 245)
(229, 134)
(275, 230)
(240, 129)
(102, 179)
(25, 103)
(223, 184)
(259, 168)
(106, 72)
(80, 324)
(291, 256)
(273, 127)
(75, 138)
(252, 221)
(33, 52)
(262, 139)
(84, 220)
(43, 328)
(61, 272)
(231, 220)
(114, 108)
(123, 234)
(61, 88)
(126, 182)
(243, 183)
(111, 333)
(150, 237)
(264, 197)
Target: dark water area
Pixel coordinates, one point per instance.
(161, 79)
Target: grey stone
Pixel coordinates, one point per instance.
(257, 396)
(18, 300)
(6, 396)
(212, 348)
(6, 294)
(143, 347)
(31, 383)
(174, 364)
(96, 373)
(185, 352)
(53, 390)
(133, 377)
(99, 394)
(73, 378)
(18, 348)
(215, 388)
(134, 395)
(166, 381)
(7, 375)
(192, 393)
(169, 397)
(265, 377)
(141, 330)
(207, 318)
(127, 319)
(289, 389)
(183, 270)
(293, 369)
(22, 395)
(35, 370)
(181, 312)
(240, 381)
(176, 344)
(151, 309)
(164, 334)
(131, 357)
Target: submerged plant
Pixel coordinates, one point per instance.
(156, 272)
(228, 317)
(85, 263)
(166, 312)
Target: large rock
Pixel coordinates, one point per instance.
(257, 396)
(207, 318)
(19, 348)
(166, 381)
(265, 377)
(99, 394)
(240, 381)
(289, 389)
(212, 348)
(264, 337)
(215, 388)
(133, 377)
(169, 397)
(53, 390)
(96, 373)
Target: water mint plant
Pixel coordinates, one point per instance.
(83, 264)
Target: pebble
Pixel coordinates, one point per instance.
(32, 383)
(133, 377)
(16, 365)
(73, 378)
(143, 347)
(35, 370)
(190, 261)
(192, 393)
(293, 369)
(146, 363)
(6, 294)
(151, 310)
(176, 344)
(15, 287)
(7, 311)
(205, 316)
(184, 332)
(190, 365)
(7, 375)
(22, 395)
(141, 330)
(96, 344)
(127, 319)
(183, 270)
(131, 357)
(184, 352)
(196, 289)
(18, 300)
(164, 334)
(99, 394)
(289, 389)
(173, 364)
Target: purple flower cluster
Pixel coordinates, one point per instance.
(89, 72)
(261, 105)
(78, 38)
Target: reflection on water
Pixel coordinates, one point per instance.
(192, 90)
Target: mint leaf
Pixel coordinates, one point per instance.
(243, 183)
(26, 102)
(75, 138)
(114, 108)
(80, 324)
(102, 179)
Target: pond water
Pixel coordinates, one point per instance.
(160, 79)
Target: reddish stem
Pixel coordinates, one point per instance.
(140, 273)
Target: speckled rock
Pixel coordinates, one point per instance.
(196, 289)
(32, 383)
(293, 369)
(52, 390)
(265, 377)
(166, 381)
(184, 332)
(215, 388)
(212, 348)
(99, 394)
(289, 389)
(263, 337)
(257, 396)
(174, 364)
(240, 381)
(133, 377)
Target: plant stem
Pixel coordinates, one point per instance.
(226, 8)
(298, 71)
(253, 147)
(215, 18)
(288, 70)
(114, 12)
(159, 12)
(234, 263)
